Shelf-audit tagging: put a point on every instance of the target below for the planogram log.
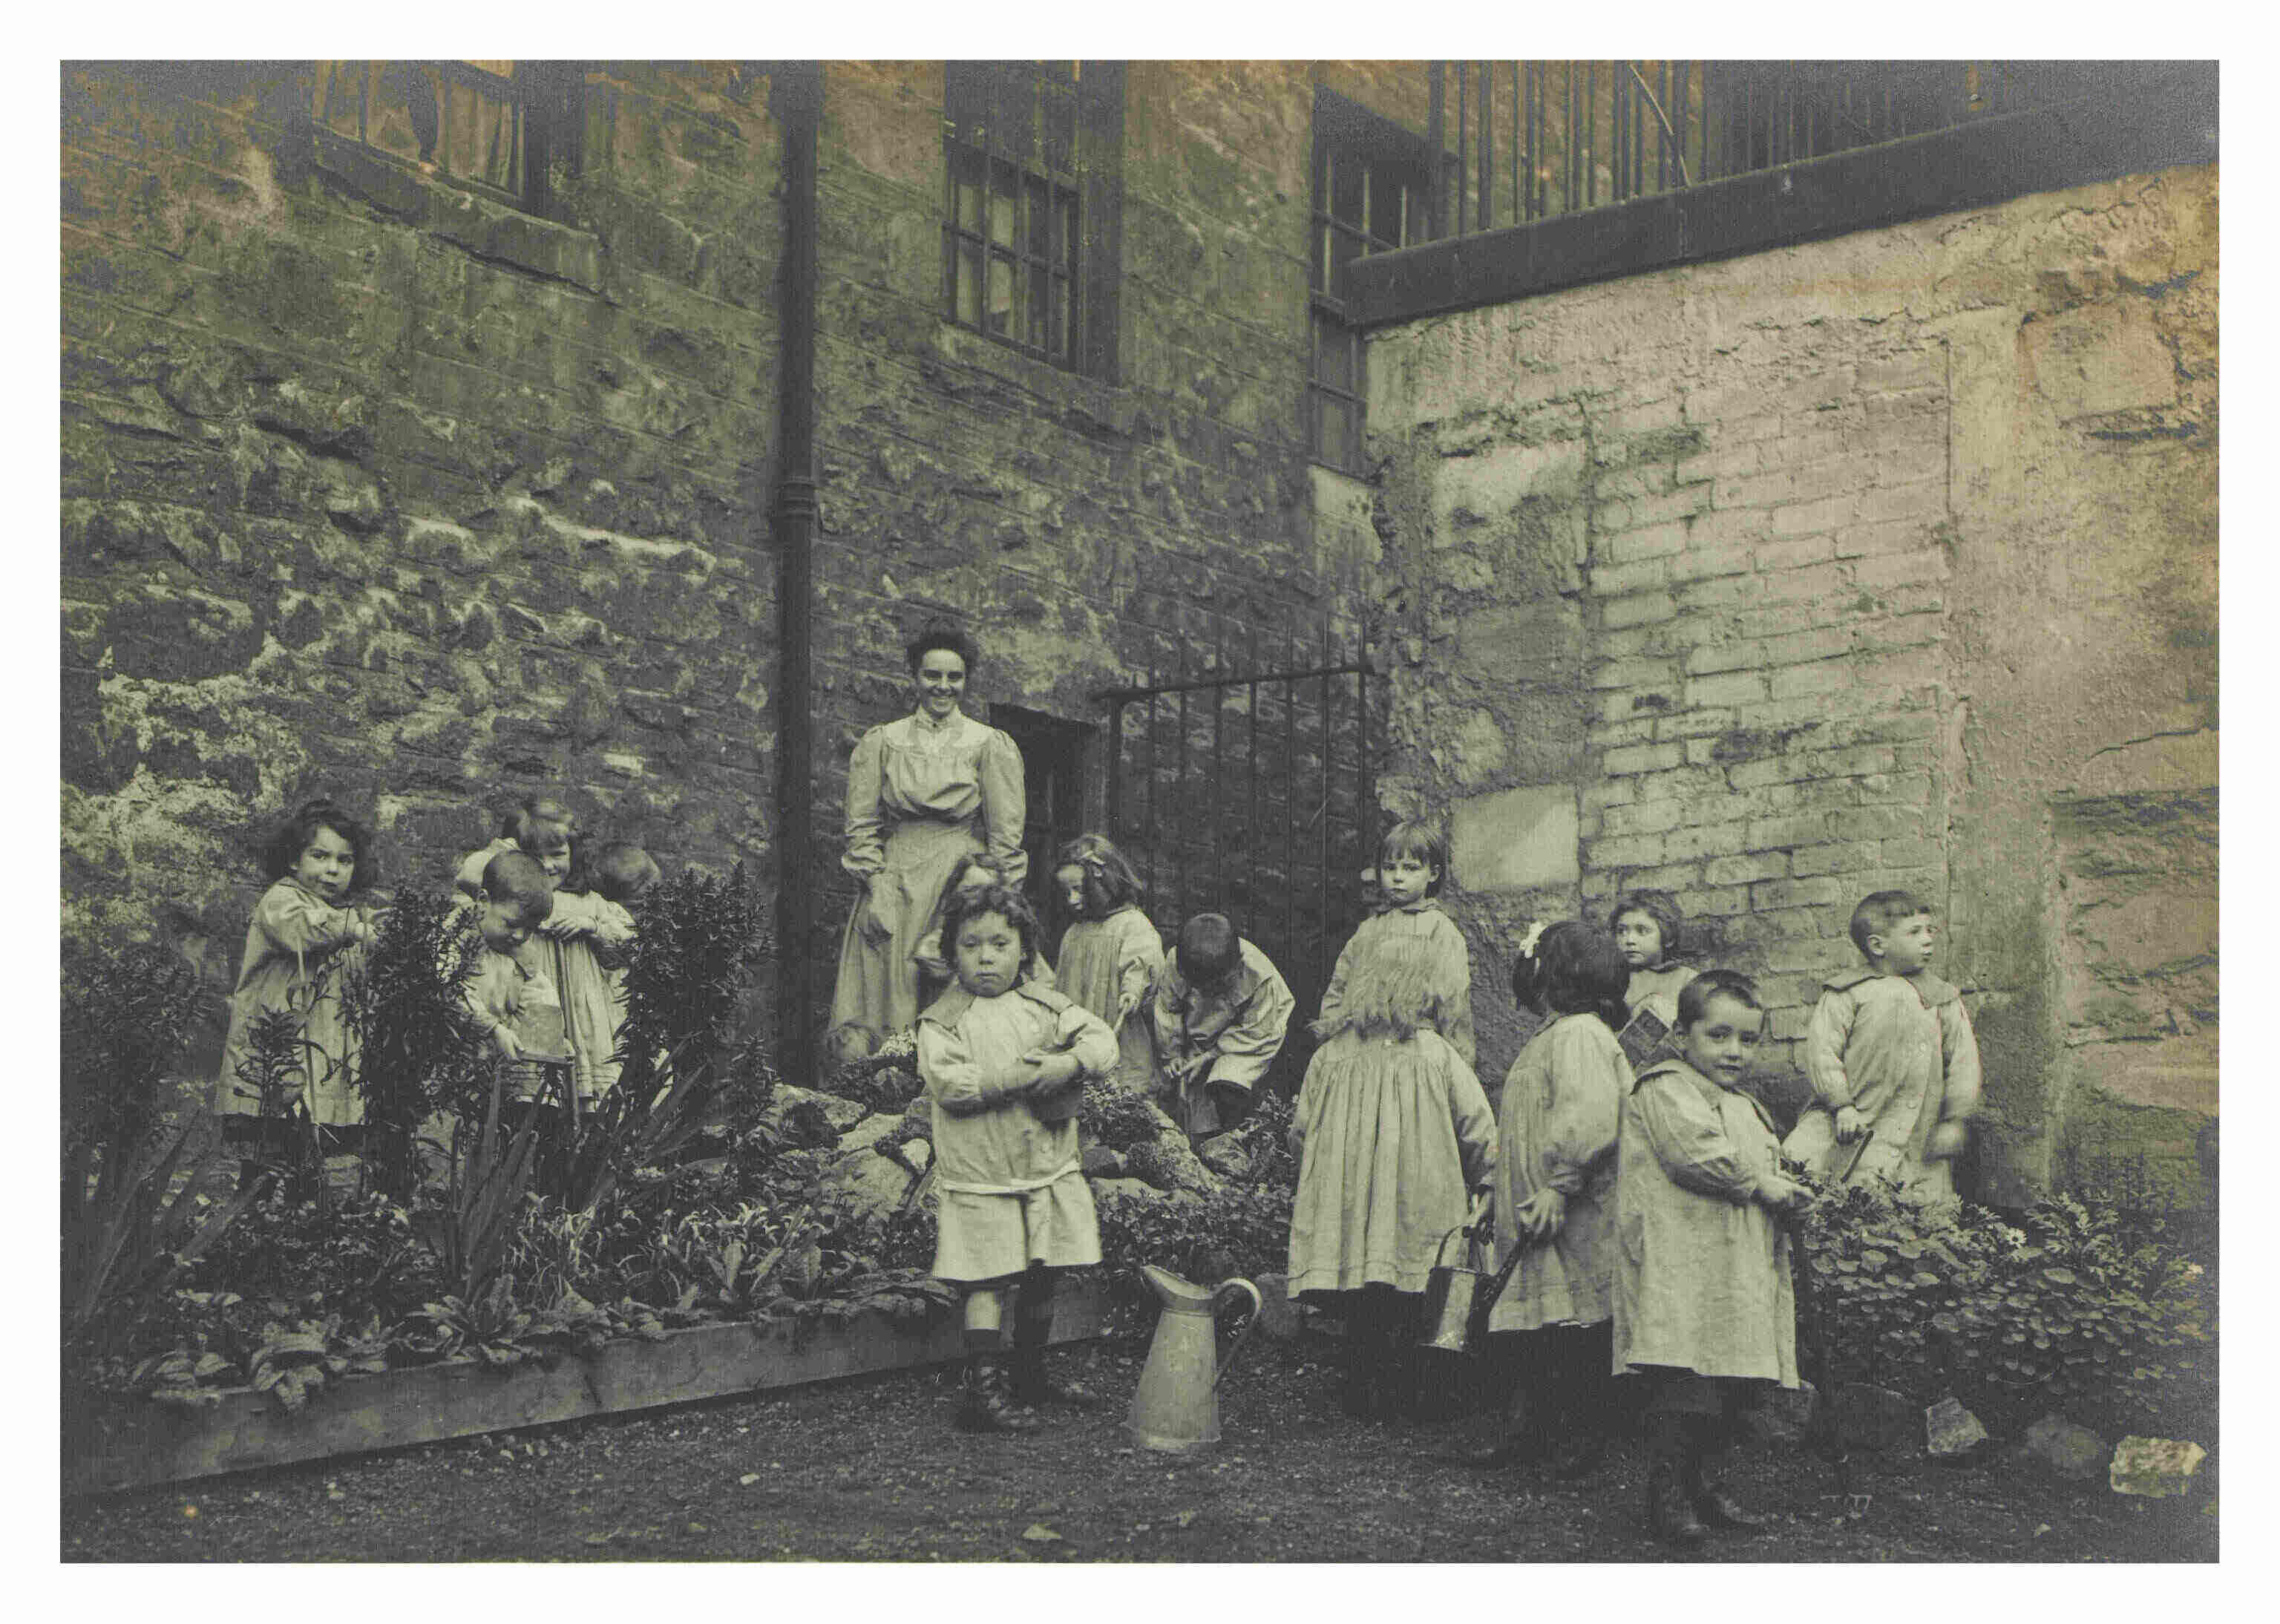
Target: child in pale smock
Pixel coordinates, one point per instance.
(587, 933)
(306, 931)
(1110, 956)
(1391, 1133)
(540, 828)
(1705, 1308)
(1218, 1019)
(1891, 1055)
(1648, 928)
(1005, 1063)
(1411, 863)
(1555, 1192)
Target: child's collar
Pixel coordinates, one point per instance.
(1928, 986)
(1419, 906)
(1680, 1067)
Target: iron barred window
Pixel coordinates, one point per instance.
(1032, 243)
(494, 127)
(1371, 193)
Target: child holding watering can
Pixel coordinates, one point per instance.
(1555, 1199)
(1391, 1133)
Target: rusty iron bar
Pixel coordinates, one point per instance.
(1217, 790)
(1464, 133)
(1290, 804)
(1251, 778)
(1322, 911)
(1180, 841)
(1114, 819)
(1155, 823)
(1488, 145)
(1106, 695)
(1435, 142)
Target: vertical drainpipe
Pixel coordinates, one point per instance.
(796, 100)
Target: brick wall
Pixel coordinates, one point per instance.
(1776, 581)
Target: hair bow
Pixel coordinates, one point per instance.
(1527, 943)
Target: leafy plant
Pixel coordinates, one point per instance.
(490, 1169)
(682, 1060)
(416, 1052)
(1242, 1227)
(2069, 1309)
(133, 1213)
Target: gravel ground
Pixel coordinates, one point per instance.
(871, 1469)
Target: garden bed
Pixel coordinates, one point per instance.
(113, 1442)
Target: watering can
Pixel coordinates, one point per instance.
(1458, 1297)
(1176, 1405)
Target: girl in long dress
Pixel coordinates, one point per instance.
(921, 793)
(1411, 863)
(1555, 1196)
(1392, 1133)
(1110, 956)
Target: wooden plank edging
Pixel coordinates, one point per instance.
(113, 1443)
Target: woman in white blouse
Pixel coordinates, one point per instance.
(921, 793)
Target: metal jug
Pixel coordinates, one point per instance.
(1176, 1405)
(1451, 1290)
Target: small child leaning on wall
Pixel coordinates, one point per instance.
(1891, 1055)
(587, 933)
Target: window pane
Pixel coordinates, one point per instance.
(1002, 213)
(1041, 220)
(1070, 239)
(1332, 354)
(1334, 430)
(1041, 293)
(1385, 197)
(1346, 199)
(403, 110)
(1001, 294)
(966, 303)
(969, 206)
(338, 97)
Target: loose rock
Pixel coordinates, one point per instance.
(841, 1113)
(1952, 1431)
(2064, 1447)
(2155, 1467)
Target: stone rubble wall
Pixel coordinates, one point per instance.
(1882, 561)
(373, 487)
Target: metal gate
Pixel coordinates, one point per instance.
(1252, 795)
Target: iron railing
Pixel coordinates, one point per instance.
(1255, 795)
(1524, 141)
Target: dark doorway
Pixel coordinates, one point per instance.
(1052, 770)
